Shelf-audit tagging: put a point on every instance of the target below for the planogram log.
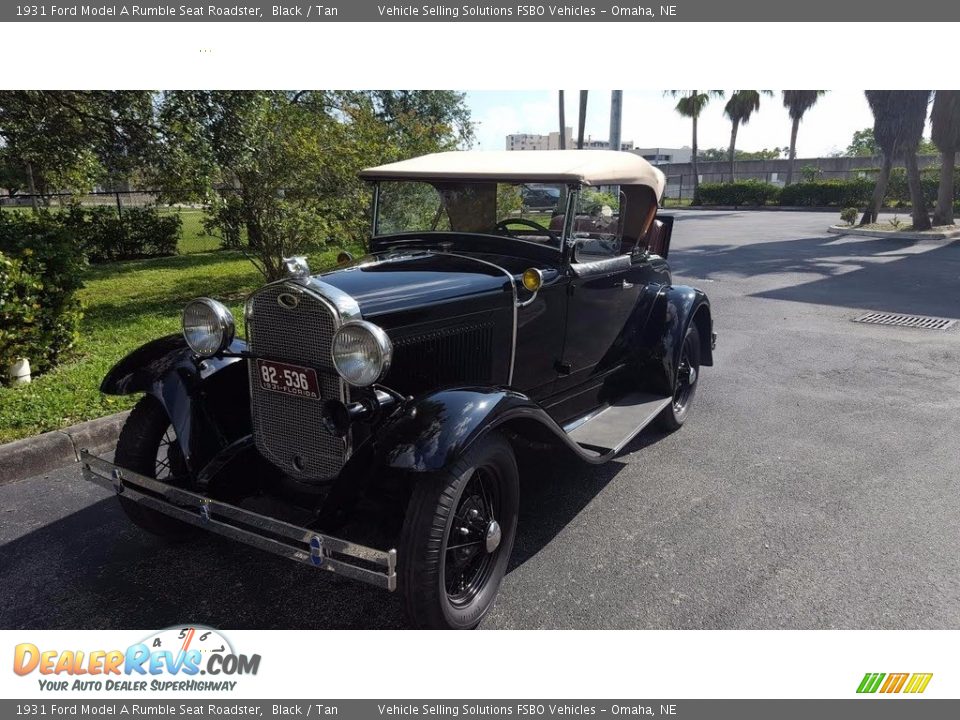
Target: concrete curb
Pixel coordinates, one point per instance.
(52, 450)
(845, 230)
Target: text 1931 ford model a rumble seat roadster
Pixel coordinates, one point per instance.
(370, 423)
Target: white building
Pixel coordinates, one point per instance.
(532, 141)
(664, 156)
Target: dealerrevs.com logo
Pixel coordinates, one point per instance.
(176, 659)
(910, 683)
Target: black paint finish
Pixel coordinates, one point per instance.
(474, 349)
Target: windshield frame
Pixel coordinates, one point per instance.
(566, 233)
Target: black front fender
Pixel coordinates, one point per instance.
(168, 370)
(436, 429)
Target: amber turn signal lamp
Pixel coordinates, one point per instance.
(532, 279)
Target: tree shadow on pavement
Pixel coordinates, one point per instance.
(845, 271)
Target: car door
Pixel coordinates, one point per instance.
(601, 296)
(608, 303)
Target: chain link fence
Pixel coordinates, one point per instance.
(118, 199)
(194, 237)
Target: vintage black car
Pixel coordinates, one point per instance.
(371, 422)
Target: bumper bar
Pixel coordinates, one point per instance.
(358, 562)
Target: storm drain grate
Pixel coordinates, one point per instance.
(911, 321)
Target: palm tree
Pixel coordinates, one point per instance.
(582, 121)
(741, 105)
(898, 120)
(797, 102)
(563, 123)
(945, 130)
(690, 104)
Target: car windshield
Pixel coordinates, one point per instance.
(522, 210)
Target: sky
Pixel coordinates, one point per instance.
(649, 120)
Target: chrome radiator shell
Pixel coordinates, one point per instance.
(293, 321)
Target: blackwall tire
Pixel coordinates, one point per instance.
(472, 506)
(673, 416)
(141, 439)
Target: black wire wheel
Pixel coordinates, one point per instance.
(685, 384)
(148, 446)
(457, 537)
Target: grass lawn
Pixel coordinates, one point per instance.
(194, 239)
(126, 304)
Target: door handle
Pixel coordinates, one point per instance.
(626, 285)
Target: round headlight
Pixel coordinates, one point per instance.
(207, 326)
(361, 352)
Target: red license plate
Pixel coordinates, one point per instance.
(288, 379)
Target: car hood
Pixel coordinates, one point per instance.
(402, 281)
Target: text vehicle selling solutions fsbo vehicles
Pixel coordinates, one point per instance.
(371, 422)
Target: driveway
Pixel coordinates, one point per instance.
(815, 484)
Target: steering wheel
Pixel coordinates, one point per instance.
(504, 224)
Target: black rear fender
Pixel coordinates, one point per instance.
(657, 350)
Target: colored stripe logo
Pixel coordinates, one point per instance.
(894, 683)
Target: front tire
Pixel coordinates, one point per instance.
(457, 537)
(674, 415)
(148, 446)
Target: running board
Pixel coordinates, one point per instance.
(606, 432)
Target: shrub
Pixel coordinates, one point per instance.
(742, 192)
(19, 302)
(828, 193)
(810, 173)
(41, 272)
(898, 190)
(849, 215)
(136, 233)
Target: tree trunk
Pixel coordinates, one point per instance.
(733, 148)
(693, 163)
(944, 212)
(793, 149)
(582, 120)
(921, 218)
(563, 122)
(871, 214)
(32, 188)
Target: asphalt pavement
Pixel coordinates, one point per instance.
(816, 483)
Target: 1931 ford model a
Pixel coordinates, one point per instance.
(370, 423)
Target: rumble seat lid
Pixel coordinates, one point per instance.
(585, 167)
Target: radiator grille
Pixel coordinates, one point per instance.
(428, 360)
(288, 430)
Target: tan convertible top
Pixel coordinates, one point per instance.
(586, 167)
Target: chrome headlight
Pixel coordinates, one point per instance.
(361, 352)
(207, 326)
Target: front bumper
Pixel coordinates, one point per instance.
(377, 567)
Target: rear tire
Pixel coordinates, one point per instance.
(457, 537)
(674, 415)
(148, 446)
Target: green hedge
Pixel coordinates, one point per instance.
(828, 193)
(823, 193)
(41, 269)
(742, 192)
(136, 233)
